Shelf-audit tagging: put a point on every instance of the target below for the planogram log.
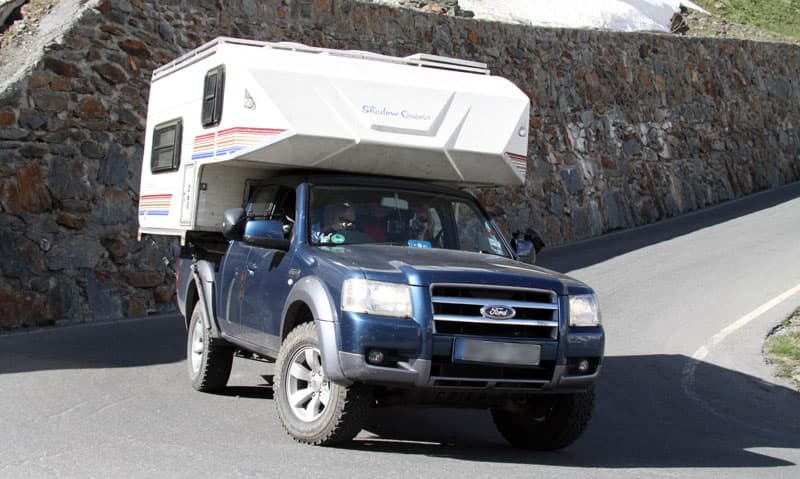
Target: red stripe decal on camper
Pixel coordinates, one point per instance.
(263, 131)
(205, 136)
(520, 162)
(230, 140)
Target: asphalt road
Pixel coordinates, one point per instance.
(684, 391)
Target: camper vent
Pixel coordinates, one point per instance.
(446, 63)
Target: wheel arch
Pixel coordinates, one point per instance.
(297, 313)
(310, 296)
(191, 299)
(204, 288)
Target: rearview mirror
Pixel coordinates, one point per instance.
(394, 203)
(233, 224)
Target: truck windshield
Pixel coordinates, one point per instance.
(416, 219)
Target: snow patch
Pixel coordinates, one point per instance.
(621, 15)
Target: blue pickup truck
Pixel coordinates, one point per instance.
(370, 291)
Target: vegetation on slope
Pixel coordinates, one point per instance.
(765, 20)
(783, 348)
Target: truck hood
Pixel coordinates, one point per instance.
(425, 266)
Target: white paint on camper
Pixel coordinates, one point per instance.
(187, 196)
(293, 106)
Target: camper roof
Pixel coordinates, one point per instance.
(417, 59)
(288, 105)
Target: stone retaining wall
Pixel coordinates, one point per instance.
(626, 129)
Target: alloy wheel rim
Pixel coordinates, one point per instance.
(308, 389)
(196, 353)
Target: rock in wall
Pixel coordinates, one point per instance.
(626, 129)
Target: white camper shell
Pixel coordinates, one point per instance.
(236, 110)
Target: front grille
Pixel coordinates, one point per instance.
(460, 328)
(457, 311)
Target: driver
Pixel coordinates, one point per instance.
(339, 218)
(340, 226)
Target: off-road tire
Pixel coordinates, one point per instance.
(547, 422)
(209, 359)
(347, 407)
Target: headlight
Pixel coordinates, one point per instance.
(376, 297)
(583, 310)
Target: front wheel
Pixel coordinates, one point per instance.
(209, 359)
(312, 408)
(547, 422)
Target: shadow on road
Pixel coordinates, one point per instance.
(261, 391)
(645, 414)
(117, 344)
(585, 253)
(643, 418)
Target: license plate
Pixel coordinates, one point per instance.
(497, 352)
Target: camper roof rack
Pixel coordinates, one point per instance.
(437, 61)
(417, 59)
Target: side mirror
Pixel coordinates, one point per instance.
(528, 246)
(524, 249)
(233, 224)
(533, 236)
(265, 234)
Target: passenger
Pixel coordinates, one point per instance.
(420, 226)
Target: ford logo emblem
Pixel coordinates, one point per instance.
(496, 311)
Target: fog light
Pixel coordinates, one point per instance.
(583, 366)
(374, 356)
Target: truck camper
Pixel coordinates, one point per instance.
(316, 197)
(265, 107)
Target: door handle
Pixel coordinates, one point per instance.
(251, 268)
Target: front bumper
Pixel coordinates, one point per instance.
(415, 357)
(417, 374)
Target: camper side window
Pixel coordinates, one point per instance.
(213, 90)
(166, 154)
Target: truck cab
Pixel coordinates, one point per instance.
(403, 289)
